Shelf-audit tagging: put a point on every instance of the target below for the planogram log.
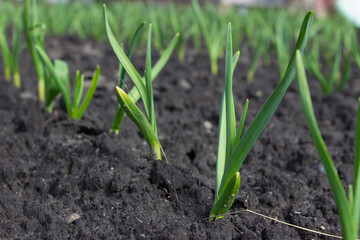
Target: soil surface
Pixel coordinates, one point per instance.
(52, 168)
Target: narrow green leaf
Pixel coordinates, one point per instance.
(16, 50)
(210, 34)
(133, 41)
(5, 53)
(258, 124)
(241, 122)
(196, 37)
(357, 147)
(134, 93)
(351, 197)
(221, 147)
(117, 120)
(119, 113)
(313, 67)
(90, 92)
(200, 20)
(345, 74)
(174, 21)
(62, 72)
(223, 140)
(213, 55)
(130, 69)
(356, 206)
(229, 100)
(280, 44)
(255, 58)
(158, 33)
(334, 70)
(227, 198)
(60, 84)
(355, 49)
(140, 121)
(51, 90)
(148, 83)
(78, 90)
(235, 60)
(29, 22)
(334, 180)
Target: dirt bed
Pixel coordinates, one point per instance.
(52, 168)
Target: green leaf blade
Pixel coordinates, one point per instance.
(160, 64)
(346, 73)
(334, 180)
(78, 89)
(134, 93)
(60, 84)
(140, 121)
(235, 60)
(29, 22)
(313, 67)
(148, 83)
(6, 54)
(89, 94)
(133, 41)
(356, 206)
(221, 147)
(226, 200)
(229, 100)
(130, 69)
(241, 122)
(119, 113)
(258, 124)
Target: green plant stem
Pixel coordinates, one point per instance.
(41, 88)
(63, 89)
(7, 73)
(119, 113)
(6, 54)
(341, 200)
(16, 79)
(141, 122)
(213, 64)
(78, 114)
(258, 124)
(30, 40)
(356, 194)
(229, 99)
(148, 84)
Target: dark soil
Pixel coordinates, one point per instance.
(51, 168)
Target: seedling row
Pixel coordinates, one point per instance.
(195, 24)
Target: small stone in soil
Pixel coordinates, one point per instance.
(208, 126)
(184, 84)
(73, 217)
(258, 93)
(27, 95)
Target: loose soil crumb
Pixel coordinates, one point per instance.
(52, 168)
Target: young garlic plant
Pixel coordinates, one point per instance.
(332, 79)
(34, 35)
(214, 43)
(125, 66)
(119, 112)
(10, 55)
(281, 40)
(260, 46)
(232, 147)
(348, 206)
(146, 123)
(60, 82)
